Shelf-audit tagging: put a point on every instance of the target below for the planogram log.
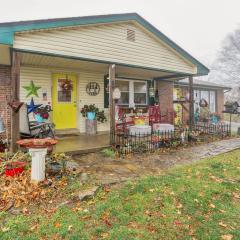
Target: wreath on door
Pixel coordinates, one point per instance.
(66, 85)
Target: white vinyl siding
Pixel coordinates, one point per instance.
(43, 77)
(106, 43)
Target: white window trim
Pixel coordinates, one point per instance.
(131, 92)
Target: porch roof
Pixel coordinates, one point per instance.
(7, 31)
(204, 84)
(69, 63)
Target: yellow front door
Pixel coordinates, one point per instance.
(64, 94)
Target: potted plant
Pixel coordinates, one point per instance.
(42, 113)
(14, 165)
(92, 115)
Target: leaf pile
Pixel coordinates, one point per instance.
(19, 191)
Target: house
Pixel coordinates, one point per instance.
(94, 54)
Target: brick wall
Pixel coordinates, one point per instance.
(5, 92)
(165, 91)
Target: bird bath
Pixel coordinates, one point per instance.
(37, 149)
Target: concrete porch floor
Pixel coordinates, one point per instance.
(82, 143)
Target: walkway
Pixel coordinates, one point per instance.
(103, 170)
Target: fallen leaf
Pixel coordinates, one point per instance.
(212, 205)
(70, 227)
(179, 205)
(57, 225)
(235, 195)
(222, 224)
(5, 229)
(227, 237)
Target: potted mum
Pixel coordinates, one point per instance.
(92, 115)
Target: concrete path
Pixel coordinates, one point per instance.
(103, 170)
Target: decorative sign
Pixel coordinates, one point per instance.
(32, 89)
(116, 94)
(93, 88)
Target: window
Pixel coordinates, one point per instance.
(209, 96)
(64, 95)
(132, 92)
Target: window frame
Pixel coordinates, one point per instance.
(132, 92)
(200, 90)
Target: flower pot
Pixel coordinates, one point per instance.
(14, 168)
(91, 115)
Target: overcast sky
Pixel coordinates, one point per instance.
(199, 26)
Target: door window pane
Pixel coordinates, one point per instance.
(64, 92)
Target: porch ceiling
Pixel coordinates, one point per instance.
(32, 59)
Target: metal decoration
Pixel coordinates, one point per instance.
(32, 89)
(93, 88)
(32, 107)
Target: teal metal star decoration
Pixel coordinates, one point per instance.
(32, 89)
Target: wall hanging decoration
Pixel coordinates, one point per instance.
(203, 103)
(32, 107)
(32, 89)
(93, 88)
(65, 84)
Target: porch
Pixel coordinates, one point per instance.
(82, 143)
(45, 70)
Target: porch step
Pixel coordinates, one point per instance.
(71, 132)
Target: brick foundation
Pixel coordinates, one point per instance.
(5, 93)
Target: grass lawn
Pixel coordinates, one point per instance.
(197, 201)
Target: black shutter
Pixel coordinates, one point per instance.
(106, 92)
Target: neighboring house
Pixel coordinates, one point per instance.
(85, 50)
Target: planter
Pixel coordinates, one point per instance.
(91, 115)
(14, 168)
(91, 127)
